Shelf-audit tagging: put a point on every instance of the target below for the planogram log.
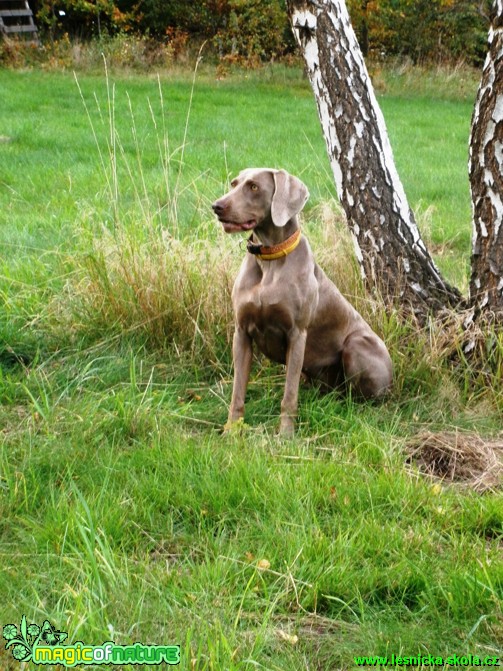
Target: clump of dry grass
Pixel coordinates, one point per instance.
(334, 252)
(459, 457)
(470, 345)
(333, 248)
(171, 293)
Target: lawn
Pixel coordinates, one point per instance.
(126, 515)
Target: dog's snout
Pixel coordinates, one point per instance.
(218, 207)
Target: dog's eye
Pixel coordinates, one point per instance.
(253, 187)
(234, 183)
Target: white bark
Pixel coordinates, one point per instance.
(387, 240)
(486, 175)
(337, 12)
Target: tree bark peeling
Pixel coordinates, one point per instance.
(381, 222)
(486, 176)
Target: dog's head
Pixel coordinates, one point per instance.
(260, 195)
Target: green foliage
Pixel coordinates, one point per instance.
(423, 30)
(245, 30)
(81, 17)
(250, 31)
(254, 29)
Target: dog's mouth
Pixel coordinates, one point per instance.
(235, 227)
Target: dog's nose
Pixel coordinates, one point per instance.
(218, 207)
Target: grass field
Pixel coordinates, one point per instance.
(125, 514)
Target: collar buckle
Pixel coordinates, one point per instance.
(277, 251)
(252, 247)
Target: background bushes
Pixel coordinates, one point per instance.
(423, 30)
(250, 31)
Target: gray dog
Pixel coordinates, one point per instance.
(286, 304)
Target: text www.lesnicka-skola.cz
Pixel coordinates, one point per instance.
(429, 660)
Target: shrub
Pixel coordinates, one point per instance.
(422, 30)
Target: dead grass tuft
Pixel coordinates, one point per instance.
(459, 457)
(172, 293)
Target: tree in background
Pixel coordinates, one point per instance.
(248, 30)
(244, 29)
(422, 29)
(389, 247)
(486, 176)
(388, 244)
(251, 30)
(81, 18)
(255, 29)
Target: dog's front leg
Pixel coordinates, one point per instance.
(294, 362)
(242, 353)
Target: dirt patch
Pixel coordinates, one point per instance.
(459, 457)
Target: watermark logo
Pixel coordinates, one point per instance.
(44, 645)
(23, 641)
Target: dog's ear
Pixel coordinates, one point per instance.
(290, 196)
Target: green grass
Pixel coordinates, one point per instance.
(125, 514)
(258, 120)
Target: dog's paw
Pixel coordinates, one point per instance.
(235, 427)
(287, 427)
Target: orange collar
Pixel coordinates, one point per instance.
(277, 251)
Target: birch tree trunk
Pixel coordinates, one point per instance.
(388, 244)
(486, 176)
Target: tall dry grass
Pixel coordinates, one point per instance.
(169, 292)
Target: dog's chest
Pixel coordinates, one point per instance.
(262, 307)
(262, 310)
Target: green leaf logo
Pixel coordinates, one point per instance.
(51, 636)
(23, 641)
